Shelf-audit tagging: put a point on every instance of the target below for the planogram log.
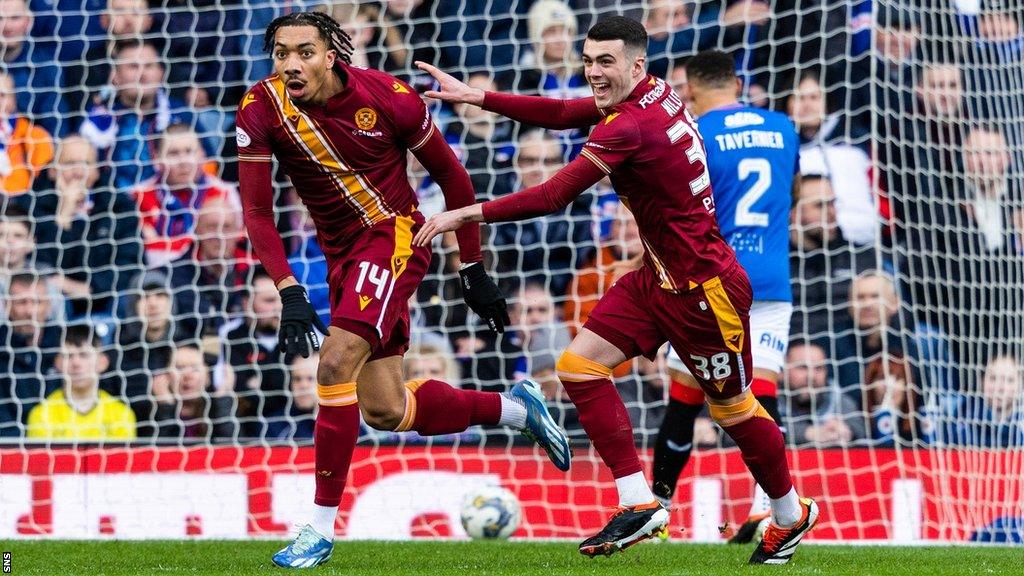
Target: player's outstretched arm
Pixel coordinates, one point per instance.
(555, 194)
(295, 335)
(551, 113)
(478, 289)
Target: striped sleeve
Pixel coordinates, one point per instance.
(251, 127)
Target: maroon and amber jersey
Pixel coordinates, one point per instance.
(347, 159)
(650, 147)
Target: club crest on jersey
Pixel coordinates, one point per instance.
(366, 118)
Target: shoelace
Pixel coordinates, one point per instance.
(773, 537)
(306, 540)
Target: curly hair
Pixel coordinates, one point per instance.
(329, 29)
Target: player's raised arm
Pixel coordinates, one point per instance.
(551, 113)
(255, 186)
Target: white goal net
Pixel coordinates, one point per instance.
(902, 397)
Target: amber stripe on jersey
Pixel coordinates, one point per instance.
(729, 322)
(403, 244)
(370, 206)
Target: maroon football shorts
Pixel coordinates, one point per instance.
(371, 285)
(709, 325)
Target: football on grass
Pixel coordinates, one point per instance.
(490, 513)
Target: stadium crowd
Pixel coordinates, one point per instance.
(133, 308)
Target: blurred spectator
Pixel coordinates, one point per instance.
(618, 254)
(250, 357)
(482, 141)
(813, 409)
(878, 362)
(208, 279)
(992, 416)
(677, 79)
(553, 68)
(28, 345)
(923, 157)
(964, 260)
(170, 201)
(24, 147)
(79, 410)
(146, 341)
(550, 248)
(85, 230)
(826, 152)
(426, 361)
(87, 78)
(187, 406)
(125, 123)
(33, 66)
(822, 259)
(541, 327)
(295, 420)
(202, 52)
(675, 27)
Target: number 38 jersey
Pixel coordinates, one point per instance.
(753, 156)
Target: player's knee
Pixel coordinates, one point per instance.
(385, 417)
(572, 368)
(340, 359)
(735, 410)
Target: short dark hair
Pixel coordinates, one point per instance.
(327, 28)
(26, 278)
(129, 43)
(630, 31)
(711, 68)
(81, 335)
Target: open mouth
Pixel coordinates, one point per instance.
(601, 89)
(296, 88)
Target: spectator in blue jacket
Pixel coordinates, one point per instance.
(125, 122)
(33, 66)
(994, 416)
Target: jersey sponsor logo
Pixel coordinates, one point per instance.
(249, 99)
(364, 301)
(374, 134)
(242, 138)
(611, 117)
(366, 118)
(653, 94)
(741, 119)
(399, 89)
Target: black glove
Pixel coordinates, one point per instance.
(297, 321)
(483, 296)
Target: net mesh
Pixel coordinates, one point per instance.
(905, 256)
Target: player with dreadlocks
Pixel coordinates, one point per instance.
(342, 134)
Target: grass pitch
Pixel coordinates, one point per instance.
(109, 558)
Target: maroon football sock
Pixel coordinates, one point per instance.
(336, 431)
(764, 451)
(435, 407)
(604, 418)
